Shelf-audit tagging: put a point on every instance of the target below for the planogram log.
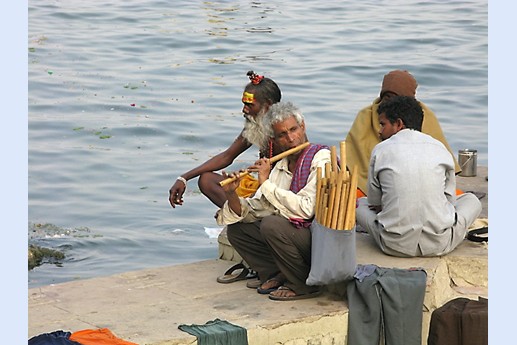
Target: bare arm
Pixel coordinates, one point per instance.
(219, 161)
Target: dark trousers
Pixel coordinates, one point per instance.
(386, 305)
(272, 246)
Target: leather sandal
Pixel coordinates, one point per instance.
(230, 276)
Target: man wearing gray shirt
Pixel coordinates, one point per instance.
(412, 208)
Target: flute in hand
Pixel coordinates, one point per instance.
(271, 160)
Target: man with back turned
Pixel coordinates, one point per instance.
(363, 134)
(411, 208)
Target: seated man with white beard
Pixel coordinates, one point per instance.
(271, 229)
(259, 94)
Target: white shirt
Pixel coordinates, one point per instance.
(274, 196)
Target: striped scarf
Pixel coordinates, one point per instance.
(301, 175)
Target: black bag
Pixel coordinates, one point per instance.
(460, 321)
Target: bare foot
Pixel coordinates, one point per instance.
(283, 291)
(271, 284)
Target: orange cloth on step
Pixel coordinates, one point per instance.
(101, 336)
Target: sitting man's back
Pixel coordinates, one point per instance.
(412, 208)
(363, 134)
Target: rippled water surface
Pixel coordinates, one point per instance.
(126, 95)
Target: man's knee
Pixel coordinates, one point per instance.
(272, 226)
(204, 181)
(468, 207)
(232, 231)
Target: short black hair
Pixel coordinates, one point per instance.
(406, 108)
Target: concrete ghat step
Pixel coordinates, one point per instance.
(462, 273)
(147, 306)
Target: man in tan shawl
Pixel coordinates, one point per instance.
(364, 134)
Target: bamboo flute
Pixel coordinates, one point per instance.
(324, 208)
(341, 179)
(342, 202)
(323, 200)
(337, 198)
(350, 208)
(333, 158)
(332, 185)
(342, 155)
(328, 169)
(319, 197)
(319, 184)
(332, 196)
(271, 160)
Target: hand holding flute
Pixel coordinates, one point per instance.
(262, 167)
(271, 161)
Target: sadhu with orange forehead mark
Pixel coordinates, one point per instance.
(259, 94)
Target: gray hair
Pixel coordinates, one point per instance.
(279, 112)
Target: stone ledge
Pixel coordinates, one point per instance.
(461, 273)
(147, 306)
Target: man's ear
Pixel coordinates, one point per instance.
(303, 124)
(400, 124)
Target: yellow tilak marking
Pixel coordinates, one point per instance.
(248, 97)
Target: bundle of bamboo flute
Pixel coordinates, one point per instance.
(336, 193)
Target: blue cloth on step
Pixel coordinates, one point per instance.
(53, 338)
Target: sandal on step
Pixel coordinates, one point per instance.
(253, 284)
(295, 297)
(478, 235)
(263, 291)
(230, 277)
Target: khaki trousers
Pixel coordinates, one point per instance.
(272, 246)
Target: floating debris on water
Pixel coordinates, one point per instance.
(38, 255)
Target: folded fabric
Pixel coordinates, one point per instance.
(386, 303)
(247, 186)
(101, 336)
(53, 338)
(217, 332)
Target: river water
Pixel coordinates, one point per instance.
(123, 96)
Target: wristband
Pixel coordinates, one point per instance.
(182, 179)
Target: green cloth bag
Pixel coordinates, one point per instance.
(333, 258)
(217, 332)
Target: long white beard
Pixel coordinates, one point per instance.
(254, 132)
